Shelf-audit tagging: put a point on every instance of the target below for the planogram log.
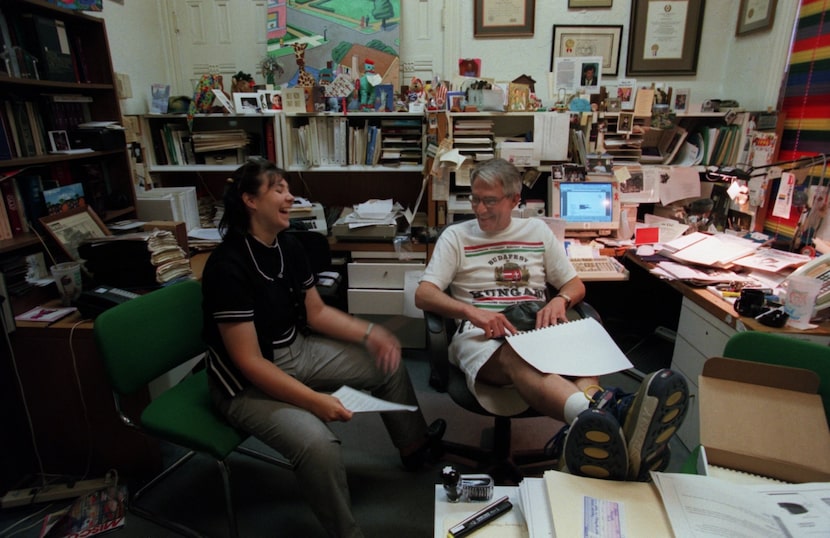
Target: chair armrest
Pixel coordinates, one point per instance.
(587, 311)
(437, 342)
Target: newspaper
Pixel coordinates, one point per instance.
(90, 515)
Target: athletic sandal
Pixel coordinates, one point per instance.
(651, 418)
(595, 446)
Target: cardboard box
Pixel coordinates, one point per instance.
(764, 419)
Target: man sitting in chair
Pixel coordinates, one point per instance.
(494, 261)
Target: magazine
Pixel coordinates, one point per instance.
(95, 513)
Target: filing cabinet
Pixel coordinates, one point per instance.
(376, 293)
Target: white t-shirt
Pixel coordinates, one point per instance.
(494, 271)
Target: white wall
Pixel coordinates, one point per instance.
(435, 33)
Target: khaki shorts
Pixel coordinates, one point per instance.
(469, 350)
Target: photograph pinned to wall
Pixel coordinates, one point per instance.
(577, 74)
(627, 92)
(159, 98)
(246, 102)
(612, 104)
(589, 40)
(680, 101)
(573, 172)
(469, 67)
(270, 101)
(755, 15)
(625, 122)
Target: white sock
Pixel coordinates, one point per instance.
(574, 405)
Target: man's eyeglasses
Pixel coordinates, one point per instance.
(487, 201)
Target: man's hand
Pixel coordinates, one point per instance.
(385, 347)
(551, 314)
(329, 409)
(495, 324)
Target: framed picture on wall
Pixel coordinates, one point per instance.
(664, 37)
(579, 4)
(503, 18)
(755, 15)
(589, 40)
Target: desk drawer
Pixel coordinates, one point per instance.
(702, 330)
(380, 275)
(389, 302)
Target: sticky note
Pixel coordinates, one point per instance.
(645, 235)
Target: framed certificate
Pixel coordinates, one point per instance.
(665, 37)
(503, 18)
(755, 15)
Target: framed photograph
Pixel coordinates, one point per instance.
(270, 101)
(591, 40)
(625, 122)
(246, 103)
(59, 141)
(664, 37)
(503, 18)
(680, 101)
(613, 104)
(755, 15)
(455, 101)
(70, 228)
(220, 99)
(578, 4)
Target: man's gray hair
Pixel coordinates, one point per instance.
(498, 172)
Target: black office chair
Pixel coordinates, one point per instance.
(500, 461)
(318, 250)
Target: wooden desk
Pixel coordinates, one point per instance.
(71, 405)
(705, 324)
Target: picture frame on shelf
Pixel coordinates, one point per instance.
(59, 141)
(580, 4)
(603, 40)
(270, 101)
(71, 228)
(755, 15)
(246, 103)
(680, 100)
(219, 95)
(625, 122)
(663, 40)
(506, 18)
(455, 101)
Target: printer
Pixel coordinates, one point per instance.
(310, 218)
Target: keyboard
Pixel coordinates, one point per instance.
(600, 268)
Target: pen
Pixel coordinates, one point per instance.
(481, 518)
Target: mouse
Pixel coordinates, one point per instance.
(645, 250)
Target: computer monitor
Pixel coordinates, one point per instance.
(588, 207)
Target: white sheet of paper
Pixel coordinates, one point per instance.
(684, 182)
(359, 402)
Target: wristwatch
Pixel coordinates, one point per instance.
(566, 297)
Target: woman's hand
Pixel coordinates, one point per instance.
(385, 347)
(329, 409)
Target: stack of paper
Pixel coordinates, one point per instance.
(719, 250)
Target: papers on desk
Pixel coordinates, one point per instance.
(718, 250)
(707, 506)
(359, 402)
(373, 213)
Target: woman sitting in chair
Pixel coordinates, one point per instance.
(269, 375)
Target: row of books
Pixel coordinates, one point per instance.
(333, 141)
(174, 144)
(474, 138)
(25, 124)
(41, 48)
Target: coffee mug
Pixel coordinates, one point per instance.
(751, 302)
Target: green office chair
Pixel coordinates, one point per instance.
(146, 337)
(772, 348)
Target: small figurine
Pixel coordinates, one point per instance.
(416, 93)
(367, 84)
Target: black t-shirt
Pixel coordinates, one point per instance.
(244, 280)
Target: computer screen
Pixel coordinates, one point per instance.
(589, 206)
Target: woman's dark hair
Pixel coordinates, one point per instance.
(248, 178)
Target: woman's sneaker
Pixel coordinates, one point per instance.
(649, 418)
(594, 446)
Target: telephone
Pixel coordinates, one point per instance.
(819, 269)
(100, 299)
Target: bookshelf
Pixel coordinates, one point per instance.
(78, 86)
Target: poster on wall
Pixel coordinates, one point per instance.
(339, 39)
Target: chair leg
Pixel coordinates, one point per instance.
(225, 471)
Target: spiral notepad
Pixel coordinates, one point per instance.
(576, 348)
